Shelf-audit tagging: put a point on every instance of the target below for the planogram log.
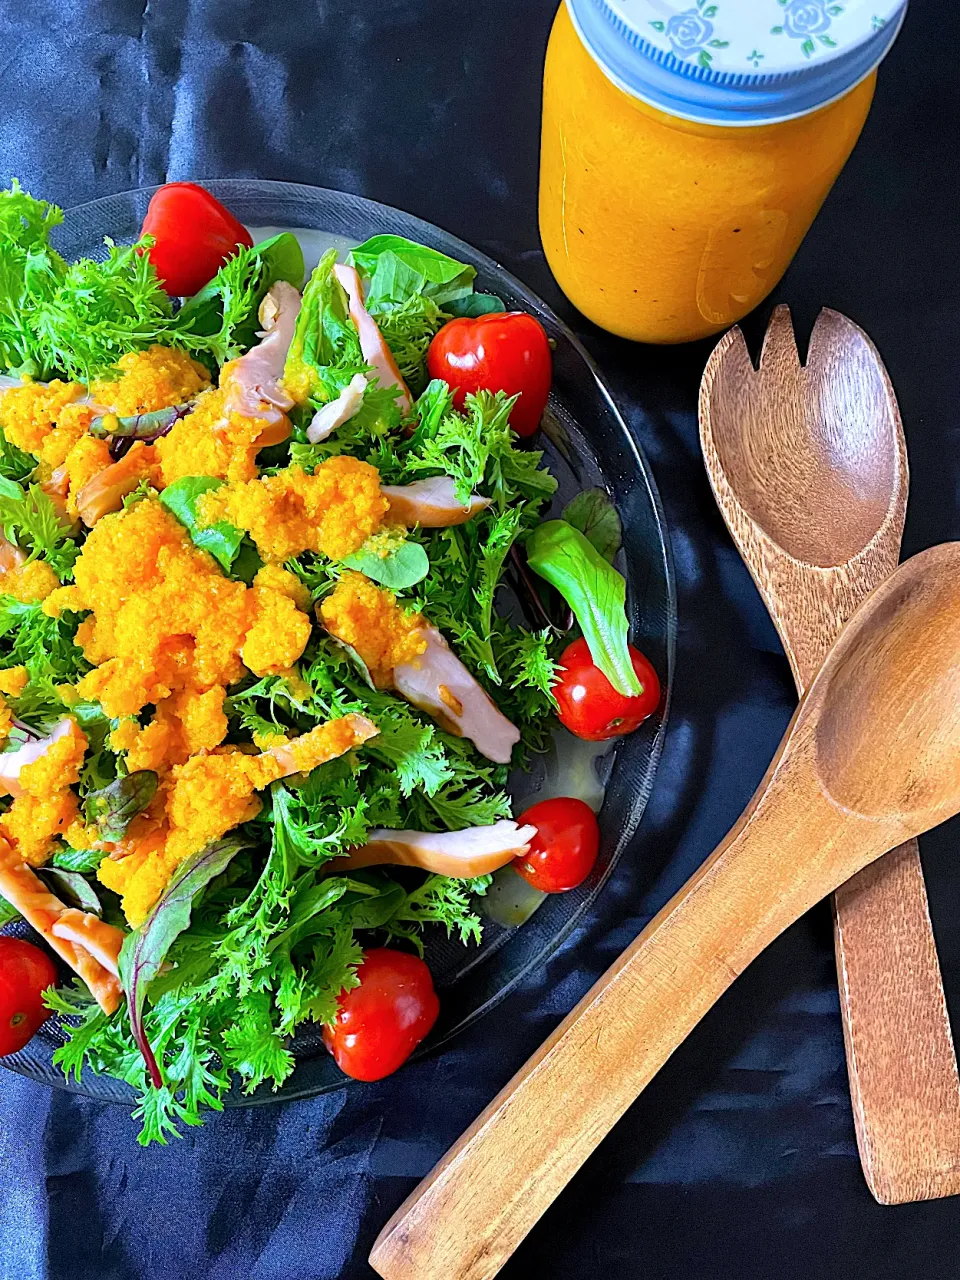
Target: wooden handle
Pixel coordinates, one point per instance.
(901, 1060)
(468, 1216)
(900, 1053)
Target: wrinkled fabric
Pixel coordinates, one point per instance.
(739, 1162)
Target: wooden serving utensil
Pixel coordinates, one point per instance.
(809, 468)
(871, 758)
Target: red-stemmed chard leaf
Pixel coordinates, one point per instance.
(145, 949)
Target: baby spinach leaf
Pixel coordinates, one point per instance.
(114, 807)
(596, 593)
(374, 911)
(14, 463)
(402, 567)
(596, 517)
(145, 949)
(222, 540)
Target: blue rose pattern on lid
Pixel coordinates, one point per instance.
(692, 32)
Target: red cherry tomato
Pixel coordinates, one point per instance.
(589, 705)
(506, 351)
(563, 851)
(193, 235)
(381, 1022)
(25, 973)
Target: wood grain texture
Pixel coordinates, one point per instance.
(838, 794)
(808, 465)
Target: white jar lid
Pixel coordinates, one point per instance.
(737, 61)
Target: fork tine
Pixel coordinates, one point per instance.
(731, 355)
(779, 343)
(835, 335)
(729, 360)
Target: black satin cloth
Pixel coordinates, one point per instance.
(739, 1162)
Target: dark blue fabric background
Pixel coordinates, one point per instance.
(739, 1161)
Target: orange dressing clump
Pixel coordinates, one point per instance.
(280, 630)
(164, 619)
(48, 807)
(214, 441)
(31, 416)
(48, 420)
(13, 681)
(183, 724)
(368, 618)
(157, 378)
(200, 801)
(333, 511)
(29, 583)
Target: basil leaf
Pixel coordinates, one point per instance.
(72, 886)
(144, 950)
(474, 304)
(597, 518)
(428, 271)
(392, 283)
(77, 859)
(404, 566)
(113, 808)
(595, 592)
(222, 540)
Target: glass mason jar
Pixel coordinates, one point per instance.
(687, 148)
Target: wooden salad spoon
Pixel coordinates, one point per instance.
(809, 468)
(871, 758)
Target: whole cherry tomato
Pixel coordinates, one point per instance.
(589, 705)
(193, 235)
(380, 1023)
(563, 851)
(25, 973)
(505, 351)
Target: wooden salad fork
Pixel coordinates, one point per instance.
(809, 468)
(871, 758)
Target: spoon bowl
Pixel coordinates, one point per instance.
(814, 452)
(889, 684)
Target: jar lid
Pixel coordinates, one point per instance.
(739, 62)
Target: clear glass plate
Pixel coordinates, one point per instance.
(590, 445)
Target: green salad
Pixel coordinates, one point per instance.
(258, 703)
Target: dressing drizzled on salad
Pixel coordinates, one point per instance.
(249, 652)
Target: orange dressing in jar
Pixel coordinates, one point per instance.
(676, 182)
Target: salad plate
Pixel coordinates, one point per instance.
(587, 446)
